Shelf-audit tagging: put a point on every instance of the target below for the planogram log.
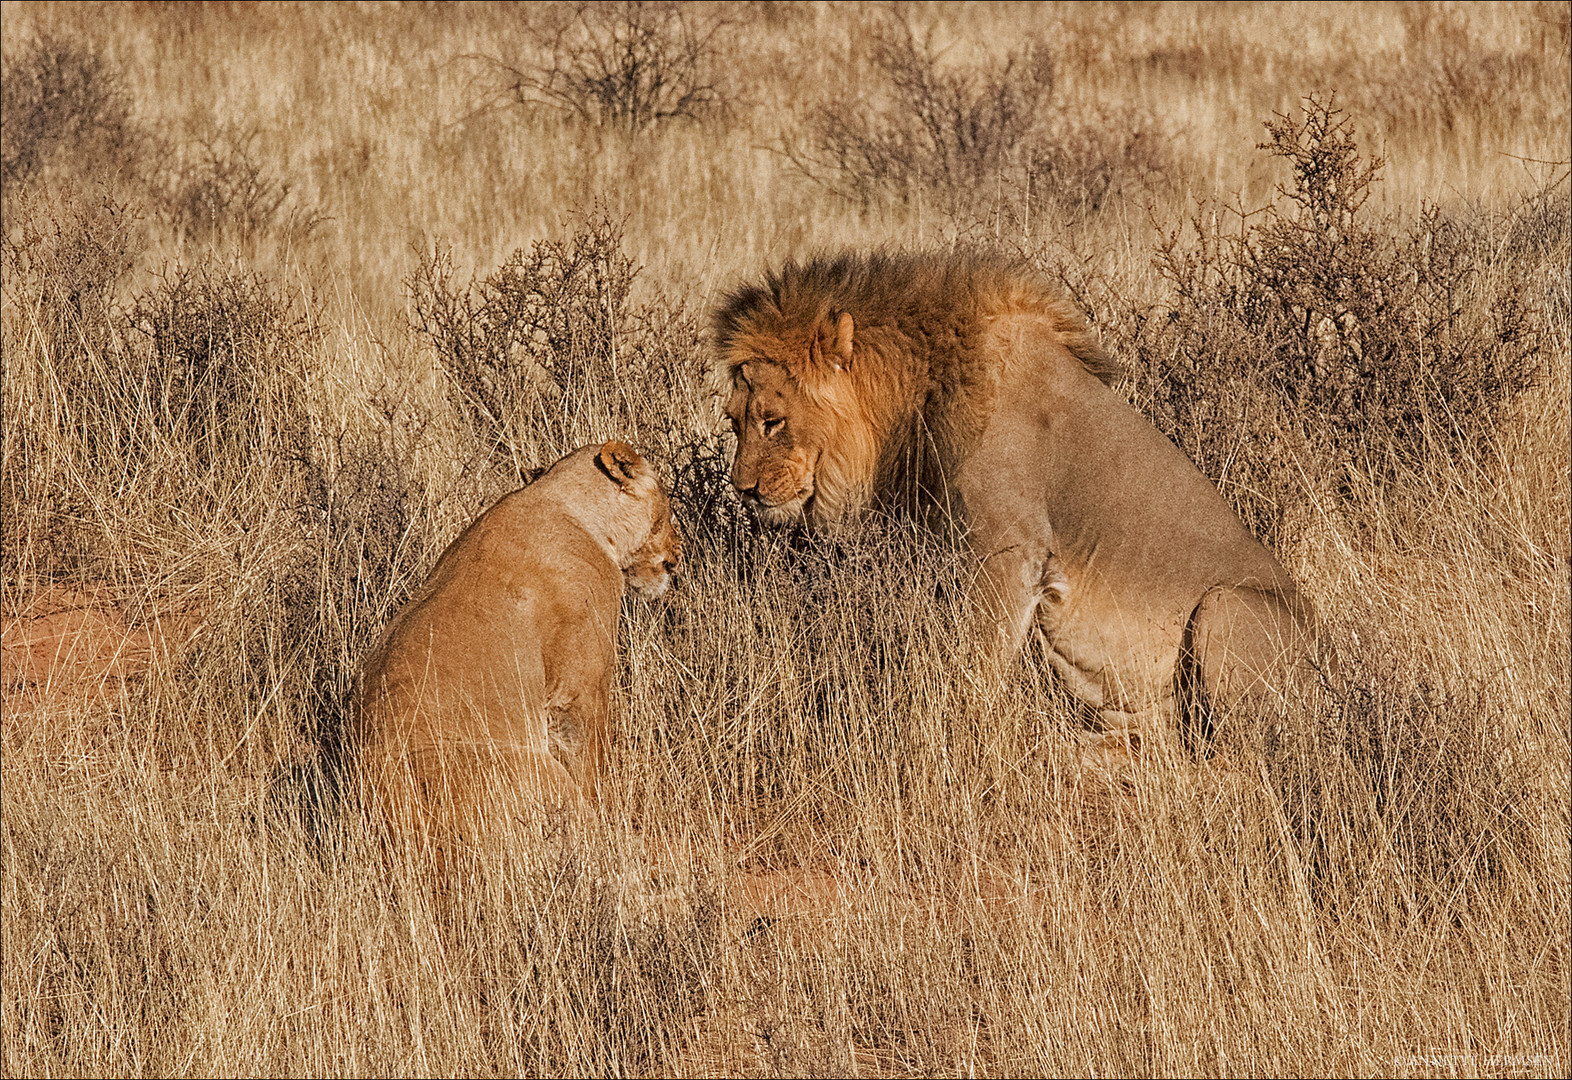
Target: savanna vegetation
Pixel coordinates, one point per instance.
(292, 292)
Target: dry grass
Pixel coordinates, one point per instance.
(246, 402)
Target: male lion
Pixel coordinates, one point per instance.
(960, 388)
(506, 653)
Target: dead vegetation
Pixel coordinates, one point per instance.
(972, 138)
(1394, 341)
(627, 64)
(233, 446)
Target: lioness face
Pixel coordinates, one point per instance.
(779, 435)
(654, 564)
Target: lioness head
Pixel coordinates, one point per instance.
(648, 544)
(653, 565)
(792, 407)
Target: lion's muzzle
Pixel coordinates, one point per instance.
(773, 513)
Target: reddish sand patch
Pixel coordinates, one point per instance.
(793, 891)
(73, 644)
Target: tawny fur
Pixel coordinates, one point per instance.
(924, 389)
(488, 692)
(962, 387)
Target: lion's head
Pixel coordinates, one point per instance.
(658, 560)
(859, 377)
(792, 407)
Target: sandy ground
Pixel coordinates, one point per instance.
(67, 645)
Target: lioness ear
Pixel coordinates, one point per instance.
(835, 340)
(619, 461)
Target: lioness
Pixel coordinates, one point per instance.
(505, 654)
(960, 387)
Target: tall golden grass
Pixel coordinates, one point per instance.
(824, 849)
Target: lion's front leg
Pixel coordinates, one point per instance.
(1016, 587)
(1025, 589)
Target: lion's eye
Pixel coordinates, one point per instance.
(774, 427)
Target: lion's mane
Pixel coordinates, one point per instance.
(920, 387)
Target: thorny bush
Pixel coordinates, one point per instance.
(553, 337)
(66, 104)
(977, 141)
(222, 366)
(631, 64)
(226, 189)
(1322, 332)
(65, 252)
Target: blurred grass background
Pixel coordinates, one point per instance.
(291, 292)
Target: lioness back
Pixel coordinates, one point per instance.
(489, 690)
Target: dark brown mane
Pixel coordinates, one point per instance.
(932, 300)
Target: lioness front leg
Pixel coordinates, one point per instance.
(578, 735)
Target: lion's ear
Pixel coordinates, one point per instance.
(843, 338)
(835, 340)
(619, 461)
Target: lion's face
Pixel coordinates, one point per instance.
(780, 438)
(659, 559)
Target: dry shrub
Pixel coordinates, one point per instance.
(553, 340)
(186, 398)
(1319, 333)
(192, 386)
(66, 252)
(220, 368)
(155, 457)
(225, 191)
(68, 115)
(148, 436)
(66, 106)
(942, 130)
(971, 139)
(628, 64)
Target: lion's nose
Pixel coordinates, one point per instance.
(750, 494)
